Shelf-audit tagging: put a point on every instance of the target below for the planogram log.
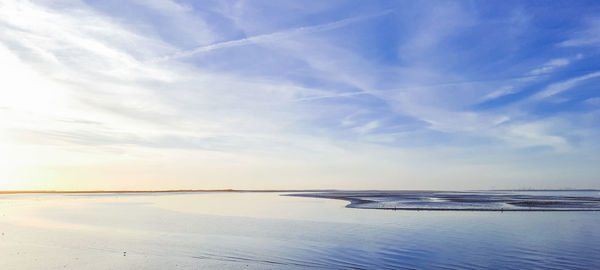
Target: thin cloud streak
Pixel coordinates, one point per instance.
(559, 87)
(270, 37)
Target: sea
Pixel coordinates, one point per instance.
(273, 230)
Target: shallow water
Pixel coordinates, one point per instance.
(269, 231)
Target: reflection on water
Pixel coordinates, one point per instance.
(268, 231)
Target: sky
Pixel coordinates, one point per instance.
(165, 94)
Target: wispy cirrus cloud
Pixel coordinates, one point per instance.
(271, 36)
(589, 35)
(550, 66)
(558, 87)
(252, 91)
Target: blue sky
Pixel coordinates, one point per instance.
(300, 94)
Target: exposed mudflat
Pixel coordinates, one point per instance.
(466, 201)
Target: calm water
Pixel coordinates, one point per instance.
(268, 231)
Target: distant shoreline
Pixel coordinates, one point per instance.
(158, 191)
(249, 190)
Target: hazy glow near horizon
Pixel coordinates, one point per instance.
(290, 94)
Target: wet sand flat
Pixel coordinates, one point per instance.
(507, 200)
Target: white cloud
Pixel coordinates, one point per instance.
(506, 90)
(534, 134)
(533, 75)
(556, 88)
(443, 20)
(550, 66)
(594, 101)
(588, 36)
(366, 128)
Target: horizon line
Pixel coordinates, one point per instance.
(260, 190)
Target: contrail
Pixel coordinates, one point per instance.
(269, 37)
(338, 95)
